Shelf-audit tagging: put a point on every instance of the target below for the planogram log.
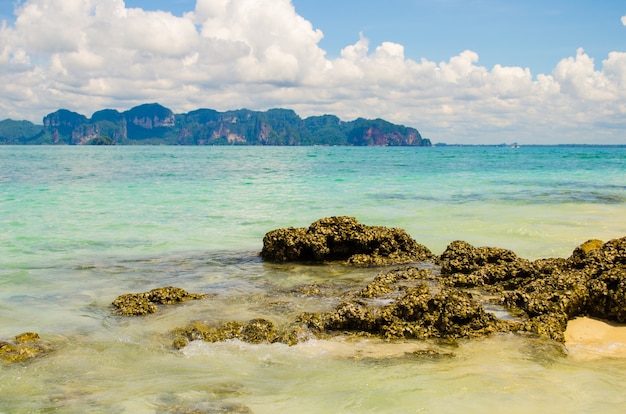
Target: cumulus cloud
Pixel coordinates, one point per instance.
(86, 55)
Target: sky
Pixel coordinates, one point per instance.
(460, 71)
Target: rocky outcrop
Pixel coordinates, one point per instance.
(592, 281)
(379, 132)
(85, 133)
(136, 304)
(436, 302)
(445, 297)
(542, 295)
(343, 239)
(467, 266)
(61, 124)
(400, 303)
(64, 119)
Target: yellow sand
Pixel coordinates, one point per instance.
(587, 338)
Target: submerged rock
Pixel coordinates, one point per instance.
(23, 347)
(205, 408)
(343, 239)
(255, 331)
(417, 313)
(432, 354)
(134, 304)
(406, 303)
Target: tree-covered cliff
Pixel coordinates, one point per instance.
(155, 124)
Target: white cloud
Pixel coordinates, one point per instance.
(86, 55)
(578, 78)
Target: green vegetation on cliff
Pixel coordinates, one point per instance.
(18, 132)
(101, 141)
(154, 124)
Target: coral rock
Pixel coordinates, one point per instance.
(134, 304)
(24, 347)
(343, 239)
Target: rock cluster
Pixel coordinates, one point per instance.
(134, 304)
(439, 301)
(440, 297)
(343, 239)
(543, 294)
(549, 292)
(401, 304)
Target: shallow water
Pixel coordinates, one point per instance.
(82, 225)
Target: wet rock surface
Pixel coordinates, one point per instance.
(548, 292)
(408, 302)
(255, 331)
(343, 238)
(23, 347)
(467, 266)
(416, 314)
(466, 292)
(542, 295)
(136, 304)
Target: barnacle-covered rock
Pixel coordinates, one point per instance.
(607, 295)
(592, 281)
(255, 331)
(585, 253)
(564, 293)
(343, 239)
(134, 304)
(548, 326)
(595, 258)
(466, 266)
(410, 311)
(435, 303)
(451, 313)
(23, 347)
(393, 280)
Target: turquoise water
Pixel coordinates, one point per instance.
(81, 225)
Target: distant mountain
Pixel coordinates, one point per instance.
(19, 132)
(154, 124)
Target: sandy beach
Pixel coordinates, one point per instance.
(588, 338)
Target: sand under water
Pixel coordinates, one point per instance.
(588, 338)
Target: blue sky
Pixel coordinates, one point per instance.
(528, 33)
(458, 70)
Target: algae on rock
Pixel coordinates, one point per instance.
(442, 301)
(255, 331)
(23, 347)
(134, 304)
(343, 239)
(592, 281)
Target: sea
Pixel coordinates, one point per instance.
(81, 225)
